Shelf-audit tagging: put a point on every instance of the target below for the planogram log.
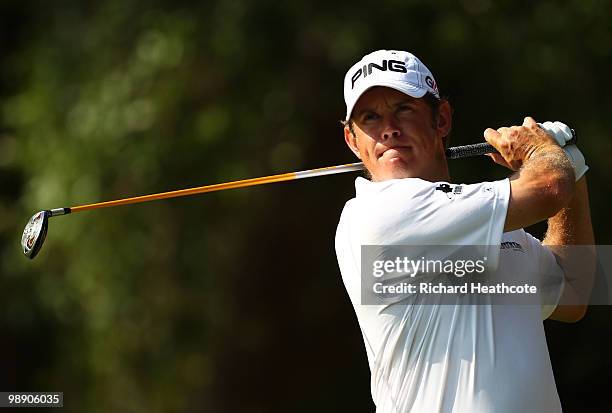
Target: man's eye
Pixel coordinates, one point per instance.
(370, 116)
(404, 108)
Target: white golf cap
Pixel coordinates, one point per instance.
(396, 69)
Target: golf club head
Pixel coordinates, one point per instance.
(34, 233)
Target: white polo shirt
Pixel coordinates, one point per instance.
(450, 358)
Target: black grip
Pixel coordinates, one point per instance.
(469, 150)
(482, 148)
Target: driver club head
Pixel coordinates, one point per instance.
(34, 233)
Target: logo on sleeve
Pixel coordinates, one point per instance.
(511, 245)
(449, 190)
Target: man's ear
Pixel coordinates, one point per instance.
(351, 140)
(445, 119)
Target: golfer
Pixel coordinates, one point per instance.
(467, 356)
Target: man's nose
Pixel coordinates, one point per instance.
(391, 129)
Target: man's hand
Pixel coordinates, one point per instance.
(517, 143)
(544, 181)
(561, 134)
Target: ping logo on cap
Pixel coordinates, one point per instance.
(395, 69)
(391, 65)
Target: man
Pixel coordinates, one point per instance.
(469, 356)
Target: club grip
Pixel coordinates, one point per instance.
(482, 148)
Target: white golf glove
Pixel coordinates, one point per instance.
(559, 131)
(577, 160)
(563, 134)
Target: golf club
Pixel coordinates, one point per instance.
(36, 229)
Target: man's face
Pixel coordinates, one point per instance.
(397, 137)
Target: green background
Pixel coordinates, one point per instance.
(232, 302)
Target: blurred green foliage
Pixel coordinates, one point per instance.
(232, 301)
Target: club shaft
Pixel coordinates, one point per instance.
(190, 191)
(290, 176)
(451, 153)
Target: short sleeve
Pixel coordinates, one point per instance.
(417, 212)
(550, 277)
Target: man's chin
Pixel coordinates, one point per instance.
(395, 168)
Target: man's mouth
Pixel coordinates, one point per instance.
(393, 151)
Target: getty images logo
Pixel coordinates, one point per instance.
(391, 65)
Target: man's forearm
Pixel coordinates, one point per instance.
(572, 224)
(541, 188)
(570, 237)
